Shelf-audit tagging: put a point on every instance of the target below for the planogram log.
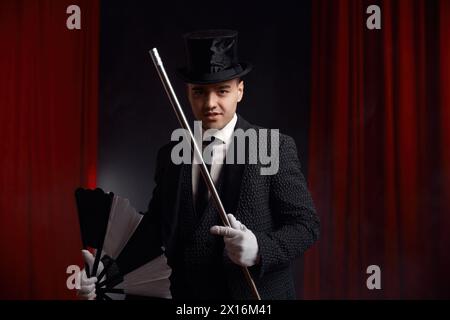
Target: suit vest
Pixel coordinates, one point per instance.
(198, 271)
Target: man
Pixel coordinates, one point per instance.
(272, 218)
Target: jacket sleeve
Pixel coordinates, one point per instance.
(154, 210)
(295, 220)
(146, 242)
(154, 207)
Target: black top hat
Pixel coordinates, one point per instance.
(212, 57)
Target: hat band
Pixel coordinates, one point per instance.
(221, 74)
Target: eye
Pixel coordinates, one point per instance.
(197, 93)
(223, 92)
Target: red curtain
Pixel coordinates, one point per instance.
(48, 134)
(379, 160)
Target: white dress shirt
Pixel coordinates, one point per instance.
(219, 152)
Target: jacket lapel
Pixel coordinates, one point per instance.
(228, 186)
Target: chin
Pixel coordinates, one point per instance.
(212, 124)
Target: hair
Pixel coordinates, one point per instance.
(239, 79)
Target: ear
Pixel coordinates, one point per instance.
(240, 90)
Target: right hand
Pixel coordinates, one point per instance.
(87, 285)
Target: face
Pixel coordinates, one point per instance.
(215, 104)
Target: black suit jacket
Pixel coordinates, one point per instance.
(277, 208)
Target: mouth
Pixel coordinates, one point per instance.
(210, 115)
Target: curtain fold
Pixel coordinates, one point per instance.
(48, 134)
(379, 149)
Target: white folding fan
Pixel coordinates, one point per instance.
(133, 267)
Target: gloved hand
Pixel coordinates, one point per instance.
(87, 285)
(240, 243)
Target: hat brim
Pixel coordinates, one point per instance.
(214, 77)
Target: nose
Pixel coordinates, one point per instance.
(210, 101)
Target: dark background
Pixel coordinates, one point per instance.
(379, 129)
(135, 116)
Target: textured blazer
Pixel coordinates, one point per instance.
(277, 208)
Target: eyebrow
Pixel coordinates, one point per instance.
(225, 86)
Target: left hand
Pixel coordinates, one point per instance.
(240, 243)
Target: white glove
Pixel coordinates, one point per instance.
(87, 285)
(240, 243)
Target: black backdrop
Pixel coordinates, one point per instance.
(135, 115)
